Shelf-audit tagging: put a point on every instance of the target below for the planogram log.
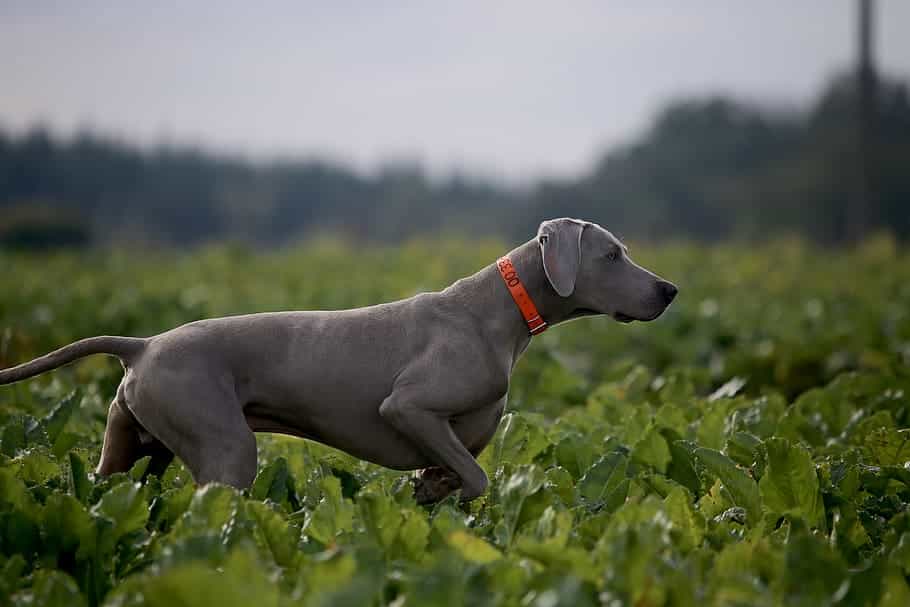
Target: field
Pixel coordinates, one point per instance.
(750, 447)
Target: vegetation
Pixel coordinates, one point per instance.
(750, 447)
(709, 168)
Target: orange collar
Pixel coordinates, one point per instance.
(536, 324)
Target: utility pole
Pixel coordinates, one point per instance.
(861, 208)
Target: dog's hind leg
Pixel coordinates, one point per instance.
(125, 442)
(161, 456)
(227, 457)
(203, 424)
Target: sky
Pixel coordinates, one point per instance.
(513, 90)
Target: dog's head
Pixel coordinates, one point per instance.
(587, 264)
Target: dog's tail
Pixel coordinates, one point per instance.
(126, 348)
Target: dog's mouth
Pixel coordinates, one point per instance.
(619, 316)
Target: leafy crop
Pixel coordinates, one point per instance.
(751, 447)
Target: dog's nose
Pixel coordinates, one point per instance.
(668, 290)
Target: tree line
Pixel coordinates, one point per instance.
(708, 168)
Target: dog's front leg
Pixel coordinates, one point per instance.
(432, 433)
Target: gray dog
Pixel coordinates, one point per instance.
(412, 384)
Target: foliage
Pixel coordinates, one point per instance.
(748, 448)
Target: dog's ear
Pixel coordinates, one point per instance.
(560, 247)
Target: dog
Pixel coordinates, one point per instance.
(414, 384)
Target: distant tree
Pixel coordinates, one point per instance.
(715, 169)
(39, 226)
(709, 169)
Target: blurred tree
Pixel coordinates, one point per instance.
(717, 169)
(41, 226)
(709, 169)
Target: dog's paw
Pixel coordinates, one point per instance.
(433, 484)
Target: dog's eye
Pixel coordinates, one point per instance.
(612, 255)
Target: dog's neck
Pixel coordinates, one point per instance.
(485, 294)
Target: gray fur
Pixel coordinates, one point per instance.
(411, 384)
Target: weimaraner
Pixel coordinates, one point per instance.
(412, 384)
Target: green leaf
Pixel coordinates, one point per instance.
(381, 516)
(672, 417)
(67, 526)
(19, 533)
(676, 388)
(565, 560)
(848, 535)
(743, 448)
(790, 484)
(813, 574)
(12, 437)
(889, 446)
(896, 590)
(603, 478)
(211, 507)
(137, 471)
(688, 523)
(866, 584)
(716, 501)
(633, 425)
(652, 450)
(35, 434)
(631, 550)
(174, 502)
(554, 527)
(274, 482)
(36, 466)
(472, 548)
(574, 453)
(514, 494)
(13, 492)
(560, 482)
(332, 515)
(11, 574)
(760, 416)
(742, 571)
(712, 427)
(519, 441)
(330, 571)
(64, 443)
(446, 519)
(743, 490)
(280, 538)
(54, 422)
(900, 554)
(242, 582)
(53, 589)
(859, 433)
(413, 535)
(79, 484)
(819, 414)
(125, 506)
(681, 467)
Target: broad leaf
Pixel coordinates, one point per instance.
(790, 484)
(743, 490)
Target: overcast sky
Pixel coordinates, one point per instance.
(514, 89)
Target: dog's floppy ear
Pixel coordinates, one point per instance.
(560, 247)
